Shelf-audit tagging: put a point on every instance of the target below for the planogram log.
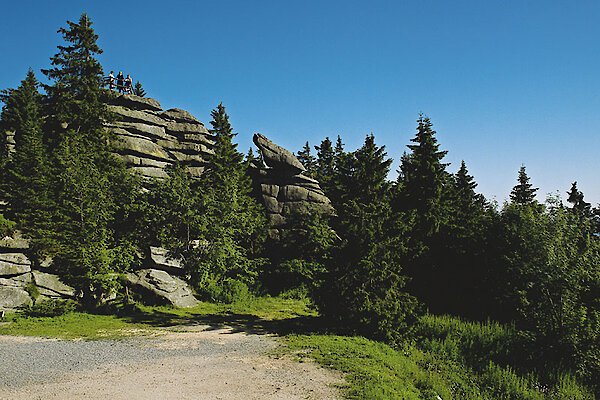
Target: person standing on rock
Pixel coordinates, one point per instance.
(111, 80)
(120, 82)
(128, 87)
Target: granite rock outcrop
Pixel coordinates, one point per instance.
(149, 139)
(281, 186)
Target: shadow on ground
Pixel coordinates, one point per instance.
(248, 323)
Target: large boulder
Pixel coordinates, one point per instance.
(282, 188)
(12, 298)
(14, 264)
(159, 258)
(136, 102)
(158, 287)
(50, 286)
(277, 157)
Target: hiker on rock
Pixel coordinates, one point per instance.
(120, 82)
(128, 87)
(111, 80)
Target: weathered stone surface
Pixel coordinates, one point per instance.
(158, 258)
(180, 115)
(293, 193)
(144, 130)
(269, 190)
(13, 297)
(150, 172)
(185, 127)
(14, 264)
(141, 161)
(127, 115)
(271, 204)
(138, 145)
(276, 156)
(14, 242)
(159, 287)
(49, 285)
(18, 281)
(276, 219)
(136, 102)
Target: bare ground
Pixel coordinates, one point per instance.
(189, 363)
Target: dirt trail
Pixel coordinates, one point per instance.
(195, 363)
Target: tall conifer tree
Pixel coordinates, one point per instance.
(29, 177)
(89, 179)
(524, 192)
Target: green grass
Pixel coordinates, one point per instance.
(261, 314)
(71, 326)
(445, 357)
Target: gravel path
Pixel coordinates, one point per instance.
(194, 363)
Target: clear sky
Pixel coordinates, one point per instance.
(505, 83)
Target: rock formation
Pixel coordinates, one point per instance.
(282, 187)
(158, 287)
(148, 138)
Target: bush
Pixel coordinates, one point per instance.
(226, 291)
(50, 308)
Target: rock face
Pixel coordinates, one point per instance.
(148, 139)
(50, 286)
(159, 287)
(282, 187)
(158, 258)
(15, 273)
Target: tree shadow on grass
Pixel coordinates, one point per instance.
(247, 323)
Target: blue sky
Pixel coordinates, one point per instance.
(505, 83)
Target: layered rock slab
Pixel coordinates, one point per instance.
(281, 186)
(159, 287)
(149, 139)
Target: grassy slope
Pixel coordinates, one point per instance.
(450, 358)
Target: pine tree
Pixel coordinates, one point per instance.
(235, 223)
(29, 177)
(138, 90)
(524, 192)
(89, 180)
(580, 206)
(460, 248)
(423, 178)
(308, 160)
(324, 165)
(364, 285)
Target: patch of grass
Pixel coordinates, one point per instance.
(373, 370)
(74, 325)
(264, 314)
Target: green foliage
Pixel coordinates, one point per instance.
(50, 308)
(524, 192)
(89, 183)
(363, 287)
(7, 227)
(138, 90)
(307, 160)
(28, 177)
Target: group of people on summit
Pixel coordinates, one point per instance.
(122, 85)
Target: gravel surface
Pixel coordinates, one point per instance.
(194, 363)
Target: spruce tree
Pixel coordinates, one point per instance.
(580, 206)
(89, 180)
(423, 178)
(364, 285)
(422, 198)
(308, 160)
(524, 192)
(324, 165)
(138, 90)
(235, 223)
(28, 174)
